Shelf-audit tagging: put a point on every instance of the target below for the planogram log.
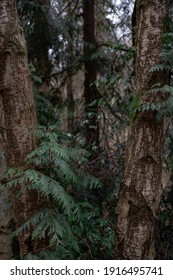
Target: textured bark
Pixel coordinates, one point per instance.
(90, 90)
(141, 188)
(5, 216)
(18, 113)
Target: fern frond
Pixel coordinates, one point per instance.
(56, 167)
(90, 182)
(161, 67)
(45, 151)
(151, 106)
(162, 89)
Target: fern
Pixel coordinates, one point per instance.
(89, 181)
(46, 112)
(58, 172)
(163, 106)
(161, 89)
(161, 67)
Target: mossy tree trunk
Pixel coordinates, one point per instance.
(141, 188)
(18, 115)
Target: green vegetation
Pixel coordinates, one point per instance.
(81, 191)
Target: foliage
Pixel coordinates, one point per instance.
(162, 95)
(47, 115)
(55, 45)
(75, 225)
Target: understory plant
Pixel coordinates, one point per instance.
(74, 223)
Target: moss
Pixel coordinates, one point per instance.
(134, 107)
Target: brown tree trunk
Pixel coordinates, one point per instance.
(70, 103)
(141, 188)
(6, 251)
(18, 114)
(43, 65)
(69, 82)
(90, 91)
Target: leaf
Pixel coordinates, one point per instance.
(37, 79)
(160, 67)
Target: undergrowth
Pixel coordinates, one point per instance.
(75, 224)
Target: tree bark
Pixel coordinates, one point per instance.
(90, 91)
(6, 251)
(141, 188)
(18, 115)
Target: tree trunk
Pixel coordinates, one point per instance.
(18, 114)
(70, 103)
(6, 251)
(43, 61)
(69, 81)
(90, 91)
(141, 188)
